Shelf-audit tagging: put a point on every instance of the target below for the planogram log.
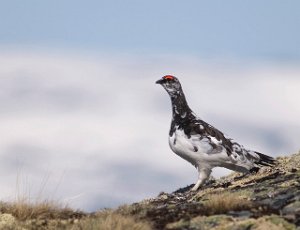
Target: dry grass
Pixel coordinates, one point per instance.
(51, 216)
(224, 202)
(27, 207)
(24, 210)
(109, 220)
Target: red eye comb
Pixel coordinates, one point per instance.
(169, 77)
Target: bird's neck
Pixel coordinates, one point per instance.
(180, 106)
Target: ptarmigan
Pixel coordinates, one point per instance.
(203, 145)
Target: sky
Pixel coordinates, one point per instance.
(82, 121)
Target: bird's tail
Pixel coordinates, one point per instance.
(265, 160)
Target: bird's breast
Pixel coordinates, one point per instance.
(179, 143)
(195, 149)
(185, 147)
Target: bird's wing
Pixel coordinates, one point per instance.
(211, 135)
(214, 141)
(219, 142)
(234, 150)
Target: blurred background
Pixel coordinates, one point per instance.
(82, 121)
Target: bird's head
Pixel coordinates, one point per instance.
(171, 84)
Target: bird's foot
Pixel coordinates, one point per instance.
(196, 187)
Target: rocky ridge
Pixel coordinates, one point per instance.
(269, 199)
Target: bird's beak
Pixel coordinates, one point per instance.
(160, 81)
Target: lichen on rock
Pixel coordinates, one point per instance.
(268, 199)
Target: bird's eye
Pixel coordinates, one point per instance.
(169, 77)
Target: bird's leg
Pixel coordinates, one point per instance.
(202, 177)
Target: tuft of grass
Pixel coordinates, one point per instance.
(24, 210)
(27, 207)
(110, 220)
(224, 202)
(48, 217)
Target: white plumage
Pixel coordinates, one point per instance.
(201, 144)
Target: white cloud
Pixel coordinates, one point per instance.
(94, 129)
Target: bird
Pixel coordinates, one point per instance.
(203, 145)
